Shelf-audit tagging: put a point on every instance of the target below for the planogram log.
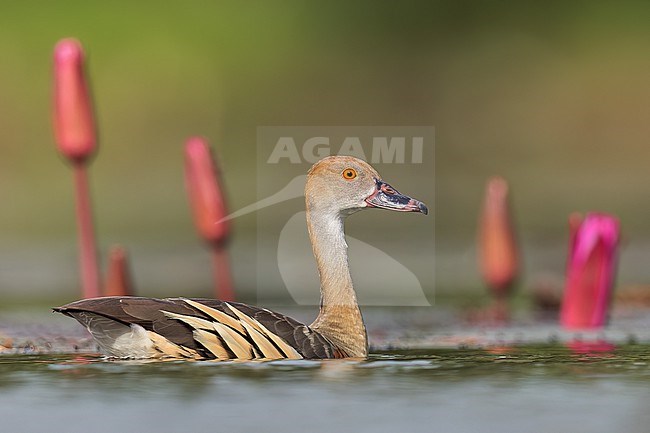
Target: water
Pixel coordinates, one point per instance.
(531, 389)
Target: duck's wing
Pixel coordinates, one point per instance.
(135, 327)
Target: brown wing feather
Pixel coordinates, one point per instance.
(150, 314)
(146, 312)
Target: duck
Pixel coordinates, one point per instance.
(209, 329)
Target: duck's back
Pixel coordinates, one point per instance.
(135, 327)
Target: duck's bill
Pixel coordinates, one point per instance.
(387, 197)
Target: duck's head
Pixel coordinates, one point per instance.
(345, 184)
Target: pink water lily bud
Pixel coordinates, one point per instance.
(74, 124)
(205, 192)
(497, 246)
(118, 279)
(591, 271)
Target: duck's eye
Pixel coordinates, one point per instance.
(349, 173)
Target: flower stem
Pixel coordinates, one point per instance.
(86, 236)
(222, 273)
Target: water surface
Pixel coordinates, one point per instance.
(547, 388)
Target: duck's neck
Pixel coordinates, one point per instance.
(339, 319)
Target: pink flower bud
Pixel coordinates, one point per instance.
(498, 253)
(590, 272)
(74, 125)
(118, 279)
(205, 192)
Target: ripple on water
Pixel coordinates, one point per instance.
(463, 390)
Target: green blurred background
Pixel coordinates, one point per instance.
(554, 96)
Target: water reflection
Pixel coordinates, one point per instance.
(415, 367)
(596, 349)
(496, 389)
